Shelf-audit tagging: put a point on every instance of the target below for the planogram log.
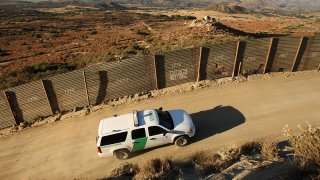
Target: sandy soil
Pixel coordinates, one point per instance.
(224, 114)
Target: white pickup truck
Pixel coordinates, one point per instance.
(140, 130)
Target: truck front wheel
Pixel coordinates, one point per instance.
(182, 141)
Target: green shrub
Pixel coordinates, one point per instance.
(143, 33)
(179, 17)
(47, 66)
(3, 53)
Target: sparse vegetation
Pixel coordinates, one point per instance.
(202, 162)
(250, 147)
(156, 168)
(269, 150)
(304, 164)
(179, 17)
(46, 67)
(306, 148)
(85, 33)
(3, 53)
(32, 73)
(126, 169)
(306, 144)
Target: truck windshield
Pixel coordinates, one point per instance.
(165, 119)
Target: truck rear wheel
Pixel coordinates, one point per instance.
(182, 141)
(122, 154)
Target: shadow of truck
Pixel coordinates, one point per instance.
(215, 121)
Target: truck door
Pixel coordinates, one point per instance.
(156, 137)
(139, 139)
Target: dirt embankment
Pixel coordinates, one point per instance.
(225, 112)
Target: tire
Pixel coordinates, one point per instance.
(182, 141)
(122, 154)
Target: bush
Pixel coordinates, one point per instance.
(302, 168)
(269, 150)
(205, 162)
(155, 169)
(3, 53)
(250, 147)
(94, 32)
(143, 33)
(179, 17)
(47, 66)
(306, 144)
(126, 169)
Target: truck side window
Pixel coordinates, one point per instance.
(138, 133)
(155, 130)
(114, 138)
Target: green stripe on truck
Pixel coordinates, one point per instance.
(139, 144)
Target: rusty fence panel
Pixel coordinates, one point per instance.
(286, 51)
(254, 54)
(6, 116)
(67, 91)
(117, 79)
(311, 57)
(29, 101)
(177, 67)
(217, 61)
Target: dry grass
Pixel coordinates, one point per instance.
(126, 169)
(205, 162)
(155, 169)
(306, 147)
(307, 143)
(250, 147)
(269, 150)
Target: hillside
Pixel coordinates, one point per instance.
(251, 4)
(228, 9)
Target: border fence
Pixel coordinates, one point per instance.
(101, 82)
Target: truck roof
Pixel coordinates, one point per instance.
(128, 121)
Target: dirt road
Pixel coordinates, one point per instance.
(223, 114)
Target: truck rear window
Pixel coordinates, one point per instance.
(114, 138)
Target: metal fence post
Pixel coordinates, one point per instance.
(14, 106)
(5, 97)
(310, 43)
(272, 40)
(86, 86)
(47, 97)
(236, 61)
(155, 72)
(294, 65)
(199, 65)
